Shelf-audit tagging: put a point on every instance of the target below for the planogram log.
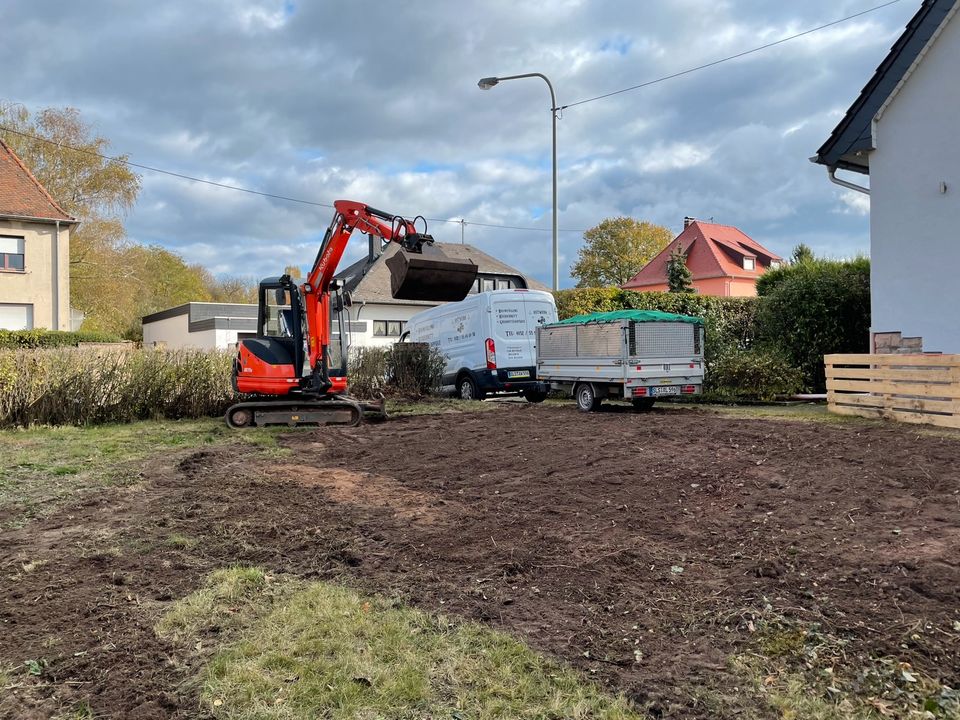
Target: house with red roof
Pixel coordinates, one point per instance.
(34, 251)
(723, 261)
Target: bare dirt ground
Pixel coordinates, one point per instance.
(642, 549)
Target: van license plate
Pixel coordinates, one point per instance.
(518, 373)
(665, 390)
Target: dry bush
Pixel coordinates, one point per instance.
(78, 386)
(407, 369)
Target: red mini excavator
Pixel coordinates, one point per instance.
(296, 365)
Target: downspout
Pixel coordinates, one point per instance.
(56, 276)
(832, 173)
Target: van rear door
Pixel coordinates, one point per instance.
(508, 323)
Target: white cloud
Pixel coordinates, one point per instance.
(378, 102)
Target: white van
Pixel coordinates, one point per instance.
(489, 341)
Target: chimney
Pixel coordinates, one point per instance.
(688, 221)
(375, 248)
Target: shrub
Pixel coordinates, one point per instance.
(410, 369)
(415, 369)
(10, 339)
(70, 386)
(367, 371)
(814, 308)
(757, 375)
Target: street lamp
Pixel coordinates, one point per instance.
(487, 83)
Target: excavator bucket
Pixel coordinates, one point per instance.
(430, 275)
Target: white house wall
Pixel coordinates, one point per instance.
(914, 226)
(172, 333)
(368, 313)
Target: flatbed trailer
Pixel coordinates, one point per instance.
(632, 355)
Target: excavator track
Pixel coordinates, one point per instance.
(337, 410)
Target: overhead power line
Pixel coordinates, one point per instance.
(237, 188)
(648, 83)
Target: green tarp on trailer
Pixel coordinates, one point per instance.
(635, 315)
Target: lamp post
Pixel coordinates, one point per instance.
(487, 83)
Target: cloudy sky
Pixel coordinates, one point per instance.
(377, 101)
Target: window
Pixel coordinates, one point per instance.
(749, 263)
(388, 328)
(16, 317)
(11, 253)
(278, 320)
(488, 284)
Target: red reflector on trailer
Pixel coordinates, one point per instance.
(688, 389)
(692, 365)
(639, 367)
(640, 391)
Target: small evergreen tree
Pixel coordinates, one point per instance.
(801, 254)
(679, 277)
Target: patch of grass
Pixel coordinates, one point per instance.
(182, 542)
(228, 598)
(303, 650)
(41, 468)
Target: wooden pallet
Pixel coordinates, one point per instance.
(919, 388)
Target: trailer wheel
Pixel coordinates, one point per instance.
(586, 396)
(642, 404)
(467, 389)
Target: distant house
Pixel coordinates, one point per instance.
(723, 261)
(375, 317)
(200, 325)
(379, 319)
(34, 251)
(902, 131)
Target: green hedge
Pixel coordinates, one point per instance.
(804, 311)
(730, 323)
(758, 375)
(815, 308)
(50, 338)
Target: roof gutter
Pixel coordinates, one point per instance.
(832, 173)
(30, 218)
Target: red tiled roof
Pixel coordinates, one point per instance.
(712, 251)
(22, 194)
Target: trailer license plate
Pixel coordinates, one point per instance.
(518, 373)
(665, 390)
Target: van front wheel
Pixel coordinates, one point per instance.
(467, 389)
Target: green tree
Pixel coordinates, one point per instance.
(815, 308)
(679, 277)
(96, 191)
(801, 254)
(616, 250)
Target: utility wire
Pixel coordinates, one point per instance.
(728, 58)
(161, 171)
(250, 191)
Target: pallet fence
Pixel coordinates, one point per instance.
(923, 389)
